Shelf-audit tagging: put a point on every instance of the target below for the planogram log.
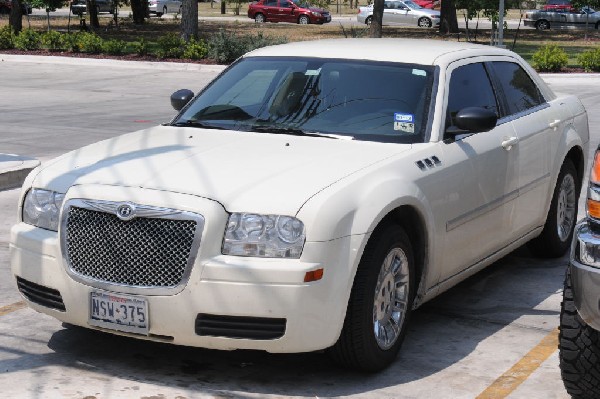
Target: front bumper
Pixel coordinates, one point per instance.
(221, 286)
(585, 274)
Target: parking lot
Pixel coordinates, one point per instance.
(493, 336)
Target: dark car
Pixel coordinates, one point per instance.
(295, 11)
(6, 5)
(558, 5)
(79, 7)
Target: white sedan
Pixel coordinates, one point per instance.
(160, 7)
(311, 197)
(401, 12)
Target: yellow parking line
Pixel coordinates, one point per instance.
(509, 381)
(13, 307)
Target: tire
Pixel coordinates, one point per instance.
(368, 21)
(542, 24)
(562, 216)
(303, 20)
(259, 18)
(373, 330)
(425, 22)
(579, 350)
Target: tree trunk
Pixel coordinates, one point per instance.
(139, 12)
(189, 20)
(377, 21)
(449, 23)
(15, 19)
(92, 11)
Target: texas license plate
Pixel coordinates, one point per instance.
(119, 312)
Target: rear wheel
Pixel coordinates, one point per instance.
(425, 22)
(368, 21)
(259, 18)
(579, 350)
(380, 303)
(542, 24)
(560, 222)
(303, 20)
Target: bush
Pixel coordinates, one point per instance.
(226, 47)
(89, 42)
(550, 58)
(141, 47)
(114, 47)
(590, 60)
(7, 38)
(170, 46)
(72, 42)
(28, 39)
(195, 49)
(54, 41)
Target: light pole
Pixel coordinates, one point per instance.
(500, 24)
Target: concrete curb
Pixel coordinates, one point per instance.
(14, 169)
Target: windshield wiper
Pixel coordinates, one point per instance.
(297, 132)
(198, 124)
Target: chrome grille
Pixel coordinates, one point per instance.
(144, 252)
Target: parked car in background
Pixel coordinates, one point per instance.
(6, 6)
(294, 11)
(310, 197)
(401, 12)
(427, 3)
(160, 7)
(543, 20)
(579, 339)
(79, 7)
(558, 5)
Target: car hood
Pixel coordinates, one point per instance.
(319, 10)
(252, 172)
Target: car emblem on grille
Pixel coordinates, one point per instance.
(126, 211)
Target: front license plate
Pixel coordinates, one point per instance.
(119, 312)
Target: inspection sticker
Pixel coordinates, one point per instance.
(404, 122)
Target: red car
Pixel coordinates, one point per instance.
(559, 5)
(295, 11)
(426, 3)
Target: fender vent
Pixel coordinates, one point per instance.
(41, 295)
(239, 327)
(428, 163)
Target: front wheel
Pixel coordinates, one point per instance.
(579, 350)
(425, 22)
(380, 303)
(542, 24)
(562, 215)
(303, 20)
(259, 18)
(368, 21)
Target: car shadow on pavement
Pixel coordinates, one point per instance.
(517, 289)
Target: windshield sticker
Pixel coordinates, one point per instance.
(404, 122)
(419, 72)
(312, 72)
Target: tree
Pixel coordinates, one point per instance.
(189, 20)
(15, 19)
(139, 9)
(448, 21)
(375, 30)
(49, 5)
(92, 11)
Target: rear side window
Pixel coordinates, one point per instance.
(520, 92)
(469, 87)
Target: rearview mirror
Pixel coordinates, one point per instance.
(180, 98)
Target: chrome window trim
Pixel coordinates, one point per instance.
(141, 211)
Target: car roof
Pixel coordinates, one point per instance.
(416, 51)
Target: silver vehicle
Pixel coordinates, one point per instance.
(543, 20)
(401, 12)
(160, 7)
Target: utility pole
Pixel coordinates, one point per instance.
(500, 24)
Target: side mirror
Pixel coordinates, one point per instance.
(180, 98)
(472, 120)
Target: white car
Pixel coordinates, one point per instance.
(401, 12)
(160, 7)
(311, 197)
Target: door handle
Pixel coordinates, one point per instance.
(554, 124)
(509, 142)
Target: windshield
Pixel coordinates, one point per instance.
(302, 3)
(412, 5)
(360, 100)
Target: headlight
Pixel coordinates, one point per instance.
(267, 236)
(315, 13)
(42, 208)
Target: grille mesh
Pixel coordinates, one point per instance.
(143, 252)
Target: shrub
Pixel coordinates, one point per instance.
(28, 39)
(195, 49)
(114, 47)
(89, 42)
(226, 47)
(355, 32)
(141, 47)
(54, 41)
(170, 46)
(590, 60)
(72, 42)
(550, 58)
(7, 38)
